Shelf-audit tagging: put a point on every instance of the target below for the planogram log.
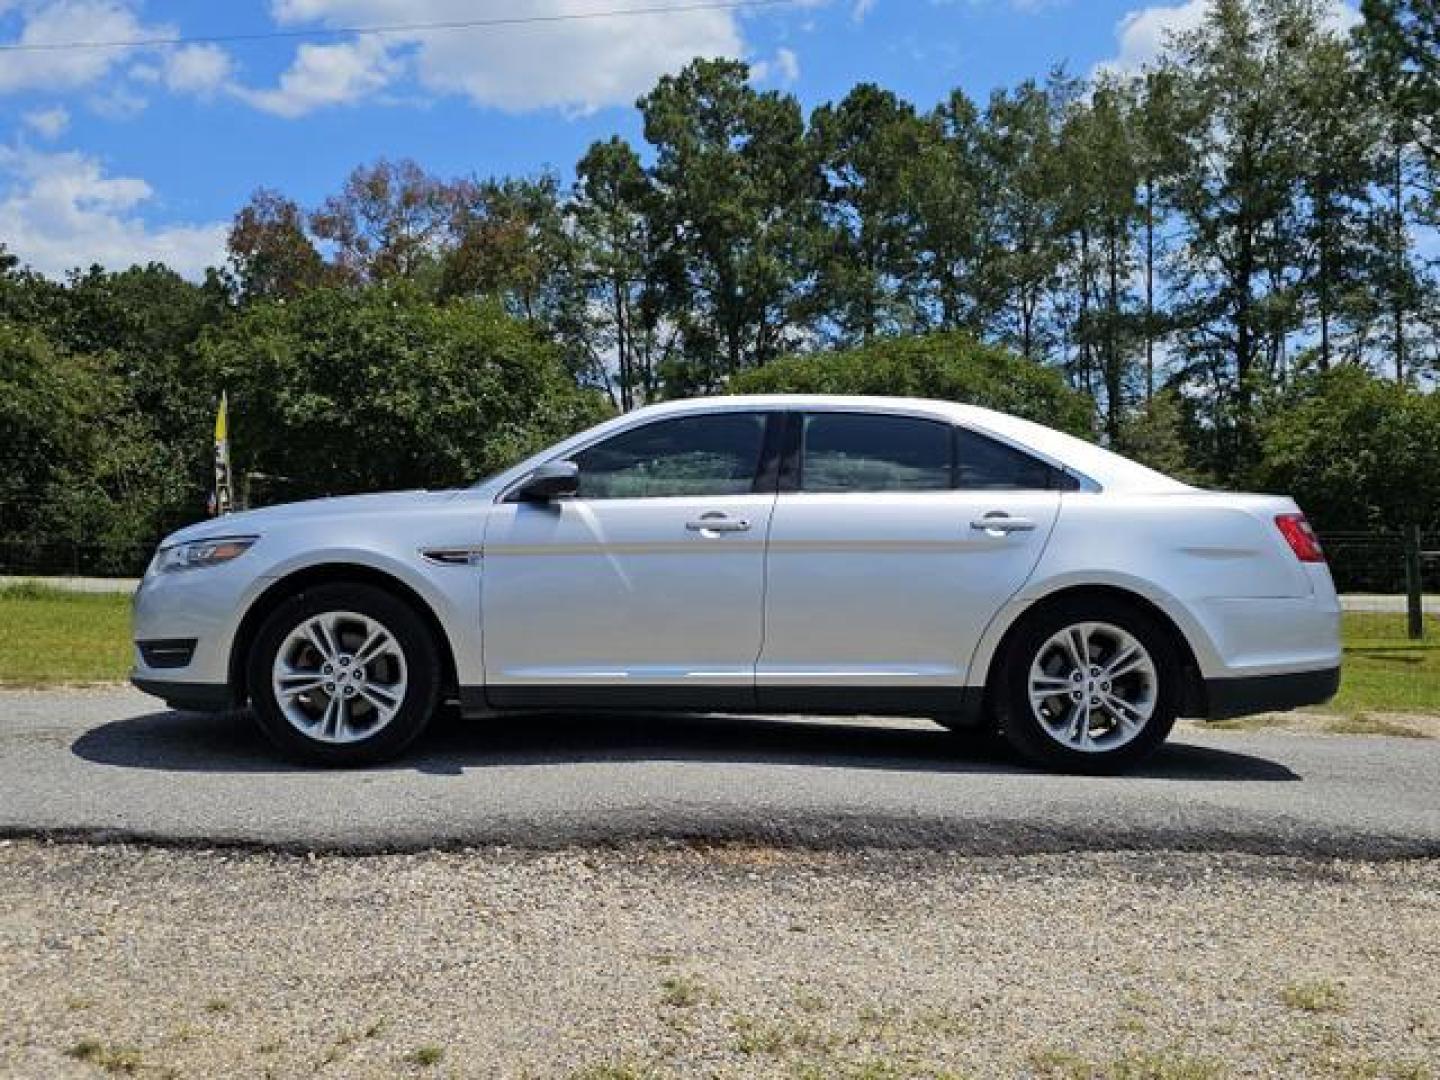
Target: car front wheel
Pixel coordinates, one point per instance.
(1088, 687)
(343, 674)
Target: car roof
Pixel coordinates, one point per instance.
(1106, 469)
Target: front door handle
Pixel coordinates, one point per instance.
(718, 523)
(1003, 523)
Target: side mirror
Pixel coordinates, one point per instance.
(553, 480)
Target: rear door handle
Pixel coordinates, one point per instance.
(718, 523)
(1003, 523)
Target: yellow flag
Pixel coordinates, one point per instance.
(222, 420)
(222, 498)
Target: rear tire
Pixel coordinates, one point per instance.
(1089, 685)
(343, 674)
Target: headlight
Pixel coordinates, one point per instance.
(201, 553)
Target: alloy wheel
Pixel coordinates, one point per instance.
(1093, 687)
(339, 677)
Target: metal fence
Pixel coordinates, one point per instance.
(1375, 562)
(26, 557)
(1360, 562)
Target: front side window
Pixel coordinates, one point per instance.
(716, 454)
(856, 452)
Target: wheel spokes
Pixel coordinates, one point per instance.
(1077, 644)
(295, 682)
(383, 701)
(1123, 710)
(339, 677)
(1092, 686)
(1079, 731)
(319, 635)
(1133, 659)
(374, 645)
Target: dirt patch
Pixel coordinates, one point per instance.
(1395, 725)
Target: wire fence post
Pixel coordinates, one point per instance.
(1413, 586)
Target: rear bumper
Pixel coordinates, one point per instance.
(1269, 693)
(189, 697)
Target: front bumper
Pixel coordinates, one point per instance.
(1252, 694)
(187, 696)
(183, 624)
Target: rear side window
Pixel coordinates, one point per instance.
(983, 464)
(857, 452)
(716, 454)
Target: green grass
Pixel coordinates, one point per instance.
(681, 992)
(425, 1056)
(608, 1071)
(48, 636)
(1064, 1065)
(1387, 672)
(112, 1059)
(1316, 995)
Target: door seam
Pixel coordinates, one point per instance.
(764, 597)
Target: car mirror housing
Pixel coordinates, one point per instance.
(553, 480)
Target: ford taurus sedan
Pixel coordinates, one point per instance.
(824, 555)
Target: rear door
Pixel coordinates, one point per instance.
(895, 540)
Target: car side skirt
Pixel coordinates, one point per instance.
(959, 703)
(1269, 693)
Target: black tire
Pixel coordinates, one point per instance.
(1019, 723)
(420, 656)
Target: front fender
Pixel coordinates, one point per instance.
(450, 591)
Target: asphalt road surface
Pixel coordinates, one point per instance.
(114, 764)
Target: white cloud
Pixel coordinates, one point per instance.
(197, 69)
(48, 123)
(787, 65)
(117, 102)
(62, 21)
(61, 210)
(1142, 33)
(1343, 16)
(578, 65)
(784, 68)
(327, 75)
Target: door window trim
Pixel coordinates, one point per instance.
(766, 479)
(795, 445)
(791, 470)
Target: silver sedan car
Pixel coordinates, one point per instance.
(827, 555)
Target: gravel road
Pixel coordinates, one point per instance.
(686, 960)
(113, 764)
(634, 897)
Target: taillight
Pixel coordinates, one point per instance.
(1301, 537)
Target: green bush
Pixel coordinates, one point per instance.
(948, 366)
(342, 391)
(1356, 452)
(78, 462)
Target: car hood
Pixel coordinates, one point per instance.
(249, 522)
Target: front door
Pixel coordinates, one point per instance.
(879, 581)
(647, 587)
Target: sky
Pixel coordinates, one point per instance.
(123, 155)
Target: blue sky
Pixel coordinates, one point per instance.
(127, 154)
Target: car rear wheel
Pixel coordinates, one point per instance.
(343, 674)
(1088, 686)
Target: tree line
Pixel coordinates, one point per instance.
(1198, 251)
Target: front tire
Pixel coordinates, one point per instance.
(343, 674)
(1088, 686)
